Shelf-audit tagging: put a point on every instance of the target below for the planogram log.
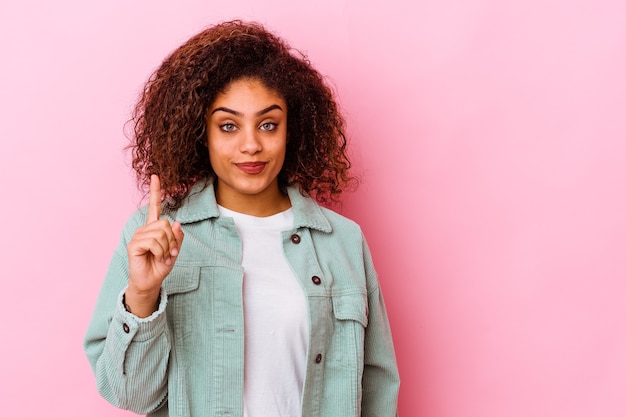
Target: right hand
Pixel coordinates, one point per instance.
(151, 255)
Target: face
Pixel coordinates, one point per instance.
(247, 139)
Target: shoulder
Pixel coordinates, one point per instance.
(321, 220)
(199, 204)
(344, 235)
(136, 219)
(340, 224)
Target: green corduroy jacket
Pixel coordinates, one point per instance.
(187, 359)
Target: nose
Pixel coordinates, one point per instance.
(250, 142)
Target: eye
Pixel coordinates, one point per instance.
(228, 127)
(269, 126)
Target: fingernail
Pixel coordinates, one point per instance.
(174, 251)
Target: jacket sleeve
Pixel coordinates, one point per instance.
(381, 381)
(129, 355)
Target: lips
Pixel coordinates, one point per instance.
(251, 168)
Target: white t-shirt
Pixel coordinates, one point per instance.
(276, 328)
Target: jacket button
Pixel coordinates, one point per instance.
(126, 328)
(295, 238)
(318, 358)
(316, 280)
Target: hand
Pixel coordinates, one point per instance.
(151, 255)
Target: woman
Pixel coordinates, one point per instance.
(233, 292)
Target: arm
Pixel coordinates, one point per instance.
(128, 354)
(381, 381)
(129, 351)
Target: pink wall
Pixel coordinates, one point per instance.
(490, 134)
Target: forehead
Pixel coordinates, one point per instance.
(247, 90)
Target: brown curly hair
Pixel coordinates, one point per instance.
(170, 132)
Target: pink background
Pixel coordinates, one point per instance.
(491, 137)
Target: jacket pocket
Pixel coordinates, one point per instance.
(349, 324)
(182, 279)
(345, 355)
(351, 307)
(181, 287)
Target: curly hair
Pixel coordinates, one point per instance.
(170, 131)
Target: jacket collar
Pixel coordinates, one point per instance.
(306, 212)
(200, 204)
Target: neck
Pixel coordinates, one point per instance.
(267, 203)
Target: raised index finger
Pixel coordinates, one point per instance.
(154, 204)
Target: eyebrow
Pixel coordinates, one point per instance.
(239, 114)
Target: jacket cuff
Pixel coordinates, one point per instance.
(128, 327)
